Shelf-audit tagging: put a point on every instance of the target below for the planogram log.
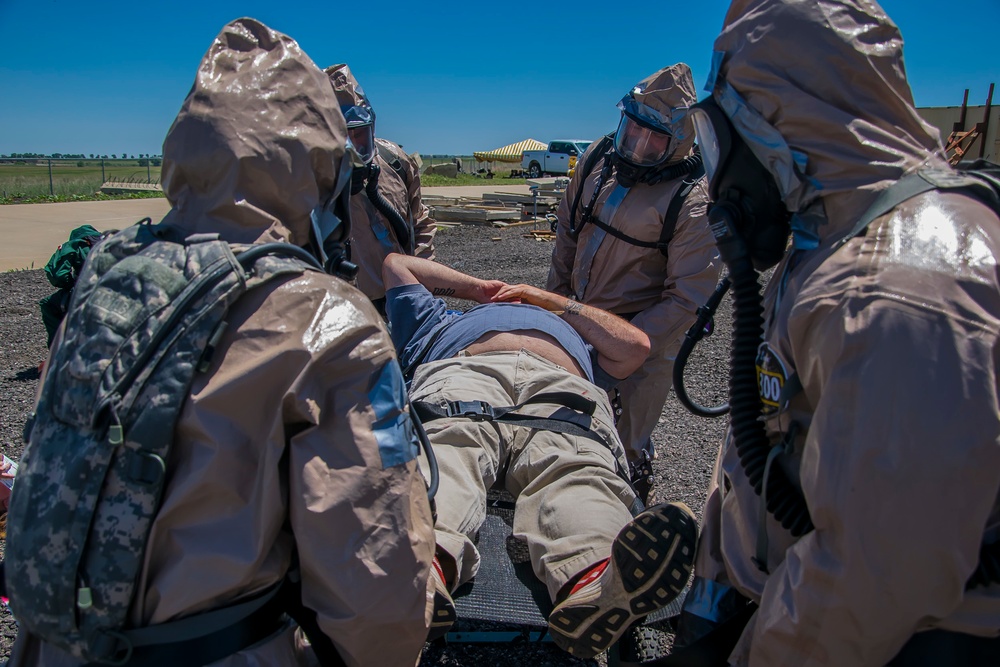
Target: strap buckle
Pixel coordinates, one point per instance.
(475, 410)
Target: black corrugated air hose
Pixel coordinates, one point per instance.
(698, 330)
(752, 445)
(399, 226)
(676, 170)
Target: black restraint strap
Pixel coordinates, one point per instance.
(204, 638)
(483, 411)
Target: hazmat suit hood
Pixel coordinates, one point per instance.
(258, 150)
(356, 108)
(347, 89)
(662, 100)
(818, 90)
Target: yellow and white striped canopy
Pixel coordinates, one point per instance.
(511, 152)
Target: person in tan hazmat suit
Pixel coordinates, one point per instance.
(283, 448)
(864, 411)
(632, 238)
(387, 212)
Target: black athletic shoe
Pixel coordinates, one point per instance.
(651, 561)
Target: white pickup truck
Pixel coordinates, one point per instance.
(558, 158)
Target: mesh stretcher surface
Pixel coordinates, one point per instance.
(506, 590)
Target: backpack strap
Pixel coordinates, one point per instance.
(902, 190)
(980, 180)
(200, 639)
(394, 162)
(600, 152)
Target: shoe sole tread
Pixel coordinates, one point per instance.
(653, 557)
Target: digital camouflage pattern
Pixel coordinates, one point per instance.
(144, 316)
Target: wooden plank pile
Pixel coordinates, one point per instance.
(501, 209)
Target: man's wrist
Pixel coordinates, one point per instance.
(572, 307)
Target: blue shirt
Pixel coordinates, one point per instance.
(423, 329)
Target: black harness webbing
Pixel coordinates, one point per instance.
(669, 219)
(483, 411)
(601, 152)
(204, 638)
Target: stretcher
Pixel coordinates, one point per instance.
(506, 602)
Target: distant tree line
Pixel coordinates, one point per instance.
(144, 159)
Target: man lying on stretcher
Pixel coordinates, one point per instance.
(515, 389)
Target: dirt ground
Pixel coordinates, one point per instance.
(686, 444)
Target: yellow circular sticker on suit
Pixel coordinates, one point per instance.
(771, 377)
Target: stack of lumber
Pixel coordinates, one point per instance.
(475, 214)
(501, 209)
(549, 187)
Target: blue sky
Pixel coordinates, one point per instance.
(107, 77)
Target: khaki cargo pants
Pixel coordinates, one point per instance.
(569, 502)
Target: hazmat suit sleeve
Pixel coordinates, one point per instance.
(690, 279)
(899, 494)
(564, 252)
(424, 226)
(357, 501)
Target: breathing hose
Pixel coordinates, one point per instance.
(399, 226)
(784, 501)
(698, 330)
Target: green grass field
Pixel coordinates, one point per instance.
(29, 180)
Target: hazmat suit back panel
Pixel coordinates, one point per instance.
(913, 304)
(277, 451)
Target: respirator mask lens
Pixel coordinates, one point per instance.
(708, 140)
(639, 144)
(363, 139)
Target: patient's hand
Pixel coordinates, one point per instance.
(531, 295)
(488, 290)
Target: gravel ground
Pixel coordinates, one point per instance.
(686, 444)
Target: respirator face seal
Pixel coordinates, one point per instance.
(331, 222)
(740, 187)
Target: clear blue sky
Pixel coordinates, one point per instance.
(107, 77)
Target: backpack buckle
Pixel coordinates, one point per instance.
(113, 647)
(145, 467)
(480, 411)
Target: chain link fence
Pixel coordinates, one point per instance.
(35, 176)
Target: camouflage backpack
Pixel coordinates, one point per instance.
(148, 309)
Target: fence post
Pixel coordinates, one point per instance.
(51, 189)
(103, 179)
(149, 176)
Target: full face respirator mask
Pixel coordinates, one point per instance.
(331, 224)
(747, 215)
